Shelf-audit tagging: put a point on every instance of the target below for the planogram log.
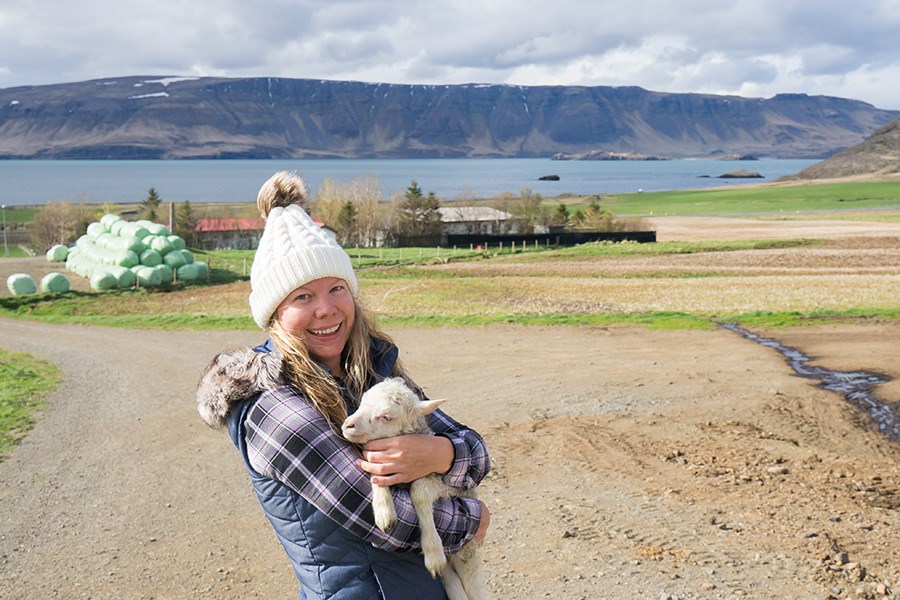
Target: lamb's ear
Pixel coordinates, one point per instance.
(426, 407)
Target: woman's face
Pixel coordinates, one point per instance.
(321, 313)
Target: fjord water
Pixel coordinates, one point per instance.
(25, 182)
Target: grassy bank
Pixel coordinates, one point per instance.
(24, 382)
(756, 199)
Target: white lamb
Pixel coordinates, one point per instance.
(391, 408)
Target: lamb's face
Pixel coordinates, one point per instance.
(387, 409)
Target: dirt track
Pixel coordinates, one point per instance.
(629, 463)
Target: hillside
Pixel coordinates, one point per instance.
(153, 118)
(878, 155)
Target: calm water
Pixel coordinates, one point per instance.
(42, 181)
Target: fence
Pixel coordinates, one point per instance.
(569, 238)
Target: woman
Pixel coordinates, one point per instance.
(314, 486)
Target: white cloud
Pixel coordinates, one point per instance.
(756, 48)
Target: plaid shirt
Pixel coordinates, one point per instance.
(290, 441)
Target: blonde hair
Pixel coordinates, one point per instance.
(316, 384)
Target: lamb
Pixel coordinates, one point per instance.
(391, 408)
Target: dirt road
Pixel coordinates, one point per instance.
(629, 463)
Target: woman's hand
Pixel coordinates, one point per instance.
(406, 458)
(481, 534)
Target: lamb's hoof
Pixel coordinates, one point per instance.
(435, 565)
(385, 523)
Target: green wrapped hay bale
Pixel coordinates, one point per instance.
(148, 276)
(187, 255)
(202, 270)
(129, 259)
(188, 272)
(125, 278)
(162, 245)
(177, 242)
(116, 227)
(108, 219)
(165, 272)
(134, 229)
(56, 283)
(159, 229)
(103, 280)
(21, 284)
(95, 229)
(150, 257)
(57, 253)
(174, 259)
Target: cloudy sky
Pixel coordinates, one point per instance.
(753, 48)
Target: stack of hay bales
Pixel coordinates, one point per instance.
(115, 253)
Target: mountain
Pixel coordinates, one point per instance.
(878, 155)
(155, 118)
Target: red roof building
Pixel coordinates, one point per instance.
(234, 233)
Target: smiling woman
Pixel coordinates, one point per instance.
(315, 486)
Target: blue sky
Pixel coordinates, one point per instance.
(748, 48)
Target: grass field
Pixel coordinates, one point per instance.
(759, 199)
(24, 381)
(667, 284)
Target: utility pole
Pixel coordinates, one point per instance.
(5, 246)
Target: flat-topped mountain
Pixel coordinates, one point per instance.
(153, 118)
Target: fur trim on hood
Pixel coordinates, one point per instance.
(233, 376)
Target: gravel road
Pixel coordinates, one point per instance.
(629, 463)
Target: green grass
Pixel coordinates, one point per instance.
(755, 199)
(819, 317)
(12, 252)
(24, 383)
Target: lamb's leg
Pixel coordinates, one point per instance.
(383, 506)
(422, 492)
(467, 564)
(453, 585)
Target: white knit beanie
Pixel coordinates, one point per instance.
(292, 252)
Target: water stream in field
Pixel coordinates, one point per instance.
(855, 386)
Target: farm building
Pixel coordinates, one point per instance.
(235, 233)
(476, 220)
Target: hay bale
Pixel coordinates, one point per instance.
(96, 229)
(174, 259)
(148, 276)
(159, 229)
(56, 283)
(21, 284)
(57, 253)
(162, 245)
(103, 280)
(166, 272)
(150, 257)
(177, 242)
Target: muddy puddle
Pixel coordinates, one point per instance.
(854, 386)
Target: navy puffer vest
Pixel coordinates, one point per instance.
(330, 562)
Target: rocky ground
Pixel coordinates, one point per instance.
(628, 463)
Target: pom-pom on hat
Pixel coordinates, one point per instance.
(293, 250)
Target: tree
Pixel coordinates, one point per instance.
(596, 218)
(150, 205)
(370, 214)
(58, 223)
(561, 216)
(528, 211)
(346, 224)
(419, 215)
(186, 223)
